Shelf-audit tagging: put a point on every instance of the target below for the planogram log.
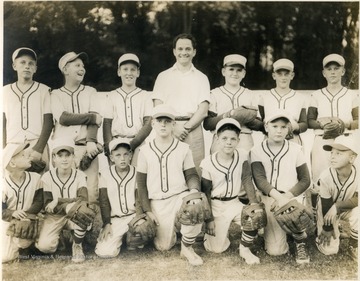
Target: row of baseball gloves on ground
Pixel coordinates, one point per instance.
(293, 217)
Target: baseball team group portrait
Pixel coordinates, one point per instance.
(180, 140)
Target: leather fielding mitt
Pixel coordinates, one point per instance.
(195, 209)
(294, 217)
(253, 217)
(333, 129)
(243, 114)
(86, 160)
(141, 230)
(27, 228)
(81, 214)
(37, 166)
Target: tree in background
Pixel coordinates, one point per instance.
(262, 31)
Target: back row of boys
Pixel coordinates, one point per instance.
(167, 168)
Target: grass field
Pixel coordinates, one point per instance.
(149, 264)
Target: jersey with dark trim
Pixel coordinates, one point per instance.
(120, 191)
(280, 168)
(226, 181)
(128, 110)
(68, 189)
(165, 170)
(293, 102)
(20, 197)
(331, 187)
(24, 111)
(338, 105)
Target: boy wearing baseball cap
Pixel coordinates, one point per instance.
(63, 186)
(338, 189)
(283, 97)
(117, 198)
(76, 115)
(27, 116)
(165, 175)
(235, 101)
(226, 178)
(281, 174)
(331, 104)
(128, 113)
(21, 196)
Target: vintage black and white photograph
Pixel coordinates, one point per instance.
(180, 140)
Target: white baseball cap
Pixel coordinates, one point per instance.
(24, 51)
(334, 58)
(129, 58)
(226, 121)
(234, 59)
(65, 143)
(343, 143)
(283, 64)
(280, 113)
(115, 142)
(11, 150)
(163, 110)
(71, 56)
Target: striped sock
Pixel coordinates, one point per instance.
(188, 241)
(248, 237)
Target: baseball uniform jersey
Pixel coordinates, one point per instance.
(17, 198)
(79, 101)
(20, 197)
(166, 188)
(226, 184)
(121, 195)
(164, 170)
(127, 111)
(54, 223)
(222, 101)
(24, 111)
(121, 191)
(281, 173)
(330, 187)
(339, 105)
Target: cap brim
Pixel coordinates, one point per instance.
(83, 56)
(63, 147)
(340, 147)
(129, 61)
(164, 115)
(26, 52)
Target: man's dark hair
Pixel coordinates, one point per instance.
(185, 36)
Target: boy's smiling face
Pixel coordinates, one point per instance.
(75, 70)
(128, 72)
(233, 74)
(228, 141)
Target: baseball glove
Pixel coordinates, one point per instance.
(244, 114)
(195, 209)
(253, 217)
(27, 228)
(37, 166)
(141, 230)
(333, 129)
(86, 160)
(293, 217)
(81, 214)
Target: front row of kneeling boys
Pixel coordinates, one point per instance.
(166, 174)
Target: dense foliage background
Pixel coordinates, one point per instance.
(262, 31)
